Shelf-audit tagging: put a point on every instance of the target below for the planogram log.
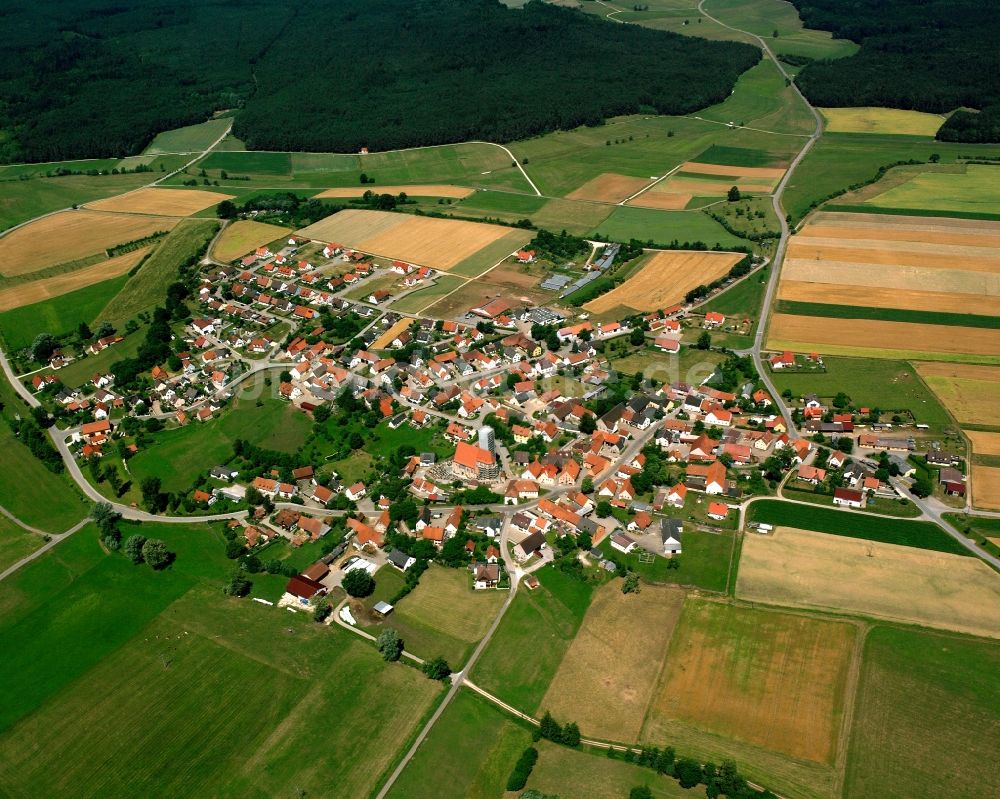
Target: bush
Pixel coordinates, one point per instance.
(438, 669)
(522, 769)
(155, 553)
(390, 645)
(133, 547)
(239, 584)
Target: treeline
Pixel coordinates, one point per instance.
(934, 55)
(284, 206)
(84, 82)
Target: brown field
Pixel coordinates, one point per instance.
(777, 680)
(831, 572)
(984, 443)
(691, 185)
(667, 201)
(423, 190)
(767, 173)
(873, 297)
(608, 188)
(607, 676)
(383, 341)
(986, 487)
(163, 202)
(507, 280)
(878, 335)
(28, 293)
(893, 277)
(70, 236)
(929, 257)
(884, 245)
(437, 243)
(665, 278)
(967, 390)
(244, 236)
(852, 220)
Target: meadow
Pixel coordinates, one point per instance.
(16, 542)
(743, 299)
(920, 693)
(416, 301)
(922, 535)
(189, 139)
(664, 227)
(704, 562)
(966, 390)
(973, 191)
(244, 236)
(543, 622)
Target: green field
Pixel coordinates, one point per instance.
(500, 203)
(927, 717)
(490, 255)
(923, 535)
(543, 623)
(16, 542)
(976, 191)
(574, 217)
(886, 314)
(704, 562)
(148, 287)
(871, 383)
(182, 690)
(253, 163)
(664, 227)
(178, 455)
(690, 365)
(468, 754)
(190, 139)
(422, 298)
(743, 299)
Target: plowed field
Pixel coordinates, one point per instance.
(608, 188)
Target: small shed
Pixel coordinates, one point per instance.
(382, 609)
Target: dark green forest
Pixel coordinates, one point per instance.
(926, 55)
(95, 78)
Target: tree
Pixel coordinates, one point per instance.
(155, 553)
(688, 772)
(571, 735)
(321, 608)
(604, 509)
(549, 727)
(636, 338)
(704, 340)
(42, 347)
(356, 441)
(150, 487)
(630, 585)
(389, 644)
(640, 792)
(922, 487)
(588, 424)
(105, 517)
(733, 195)
(239, 584)
(587, 486)
(234, 548)
(665, 760)
(133, 547)
(359, 583)
(552, 341)
(437, 669)
(83, 331)
(321, 414)
(226, 209)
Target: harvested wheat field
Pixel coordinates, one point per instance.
(608, 675)
(985, 443)
(386, 338)
(907, 299)
(941, 223)
(986, 487)
(71, 235)
(691, 184)
(38, 290)
(245, 236)
(833, 572)
(425, 241)
(968, 391)
(777, 680)
(869, 119)
(664, 200)
(665, 278)
(760, 173)
(422, 190)
(163, 202)
(893, 277)
(924, 256)
(838, 336)
(608, 188)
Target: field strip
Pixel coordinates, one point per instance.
(986, 487)
(946, 281)
(665, 201)
(608, 187)
(160, 201)
(927, 258)
(644, 189)
(770, 173)
(901, 221)
(710, 187)
(920, 241)
(417, 190)
(873, 297)
(984, 443)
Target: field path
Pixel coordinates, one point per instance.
(54, 538)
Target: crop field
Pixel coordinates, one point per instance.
(776, 680)
(984, 443)
(663, 198)
(189, 139)
(614, 661)
(245, 236)
(438, 243)
(901, 298)
(508, 280)
(468, 755)
(895, 121)
(920, 693)
(418, 190)
(70, 236)
(800, 568)
(986, 487)
(443, 615)
(973, 190)
(664, 280)
(543, 622)
(659, 227)
(161, 202)
(575, 217)
(49, 287)
(608, 188)
(967, 390)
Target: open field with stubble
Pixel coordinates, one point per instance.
(984, 443)
(800, 568)
(161, 202)
(894, 121)
(665, 278)
(244, 236)
(926, 717)
(608, 188)
(967, 390)
(986, 487)
(70, 236)
(614, 661)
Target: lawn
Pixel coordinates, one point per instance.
(177, 455)
(927, 717)
(704, 562)
(189, 139)
(665, 227)
(444, 616)
(923, 535)
(543, 623)
(468, 755)
(887, 385)
(148, 287)
(16, 543)
(743, 299)
(57, 315)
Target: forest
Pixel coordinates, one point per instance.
(926, 55)
(95, 78)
